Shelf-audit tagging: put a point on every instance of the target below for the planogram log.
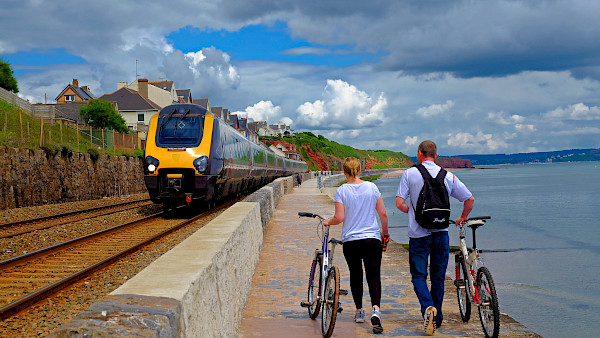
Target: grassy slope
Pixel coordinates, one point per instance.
(323, 154)
(19, 123)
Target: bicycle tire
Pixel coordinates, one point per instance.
(462, 289)
(330, 302)
(489, 313)
(314, 287)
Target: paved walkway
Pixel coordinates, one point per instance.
(281, 276)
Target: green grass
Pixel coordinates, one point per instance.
(333, 152)
(19, 130)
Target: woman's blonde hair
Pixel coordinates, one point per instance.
(351, 166)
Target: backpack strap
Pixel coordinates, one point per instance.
(424, 172)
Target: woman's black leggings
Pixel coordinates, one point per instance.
(368, 251)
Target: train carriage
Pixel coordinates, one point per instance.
(191, 155)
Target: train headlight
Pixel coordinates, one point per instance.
(201, 164)
(152, 163)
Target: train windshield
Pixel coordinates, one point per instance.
(180, 128)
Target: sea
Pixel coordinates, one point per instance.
(542, 243)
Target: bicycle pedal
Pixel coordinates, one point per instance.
(305, 304)
(343, 292)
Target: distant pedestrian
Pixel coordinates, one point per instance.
(426, 243)
(299, 179)
(357, 204)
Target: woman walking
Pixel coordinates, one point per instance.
(357, 204)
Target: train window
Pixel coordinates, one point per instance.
(180, 129)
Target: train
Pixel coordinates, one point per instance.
(192, 156)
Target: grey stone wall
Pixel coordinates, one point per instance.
(37, 177)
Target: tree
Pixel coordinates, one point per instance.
(101, 114)
(7, 80)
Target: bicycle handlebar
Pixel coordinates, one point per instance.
(472, 219)
(309, 214)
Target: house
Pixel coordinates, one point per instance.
(74, 93)
(134, 107)
(162, 93)
(281, 129)
(185, 95)
(261, 128)
(232, 120)
(68, 114)
(243, 128)
(218, 111)
(203, 103)
(289, 150)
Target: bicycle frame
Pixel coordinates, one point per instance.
(327, 261)
(471, 261)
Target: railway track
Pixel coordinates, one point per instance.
(16, 228)
(30, 277)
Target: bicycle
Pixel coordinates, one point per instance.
(476, 287)
(324, 281)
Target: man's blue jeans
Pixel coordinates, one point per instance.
(435, 248)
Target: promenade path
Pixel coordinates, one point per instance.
(280, 280)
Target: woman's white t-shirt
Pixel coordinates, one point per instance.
(360, 215)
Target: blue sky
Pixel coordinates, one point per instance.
(475, 77)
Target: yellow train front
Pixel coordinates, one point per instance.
(191, 155)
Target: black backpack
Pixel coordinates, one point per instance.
(433, 205)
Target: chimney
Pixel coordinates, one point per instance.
(143, 87)
(84, 88)
(121, 85)
(75, 83)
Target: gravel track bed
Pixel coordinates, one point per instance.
(47, 315)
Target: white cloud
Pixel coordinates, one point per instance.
(525, 127)
(411, 141)
(578, 111)
(435, 109)
(343, 107)
(265, 111)
(480, 142)
(502, 118)
(145, 37)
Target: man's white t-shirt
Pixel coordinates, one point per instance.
(360, 215)
(411, 184)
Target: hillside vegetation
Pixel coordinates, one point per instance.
(323, 154)
(19, 130)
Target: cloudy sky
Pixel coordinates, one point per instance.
(477, 77)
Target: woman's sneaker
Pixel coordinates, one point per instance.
(359, 316)
(376, 321)
(429, 324)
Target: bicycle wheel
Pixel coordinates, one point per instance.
(331, 301)
(489, 313)
(462, 289)
(314, 287)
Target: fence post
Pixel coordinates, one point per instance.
(77, 129)
(103, 139)
(91, 142)
(114, 141)
(21, 124)
(61, 138)
(42, 132)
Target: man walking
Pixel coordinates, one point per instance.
(426, 243)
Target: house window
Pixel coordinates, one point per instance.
(69, 98)
(140, 118)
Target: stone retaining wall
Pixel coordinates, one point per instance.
(36, 177)
(198, 289)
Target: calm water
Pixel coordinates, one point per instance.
(544, 241)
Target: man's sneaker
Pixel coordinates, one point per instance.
(359, 316)
(376, 321)
(429, 324)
